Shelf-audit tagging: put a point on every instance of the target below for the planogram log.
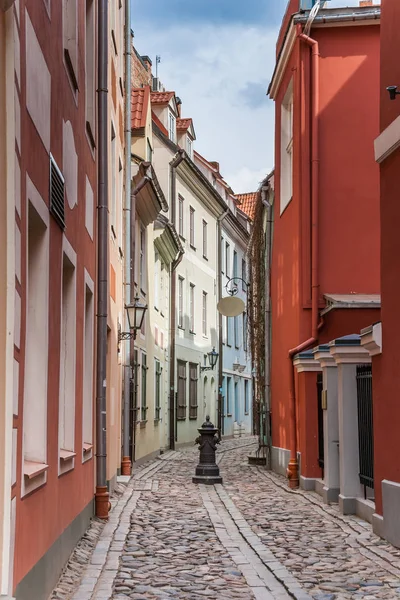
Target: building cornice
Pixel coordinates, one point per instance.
(282, 61)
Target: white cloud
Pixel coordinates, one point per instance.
(210, 68)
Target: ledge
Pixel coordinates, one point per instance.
(87, 448)
(34, 469)
(66, 455)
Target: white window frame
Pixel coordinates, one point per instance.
(88, 371)
(180, 302)
(189, 146)
(181, 201)
(191, 227)
(191, 308)
(172, 126)
(205, 232)
(286, 179)
(204, 314)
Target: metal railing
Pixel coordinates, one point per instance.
(365, 426)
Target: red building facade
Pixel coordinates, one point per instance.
(55, 217)
(386, 376)
(325, 259)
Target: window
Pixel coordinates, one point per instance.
(88, 350)
(113, 23)
(204, 314)
(180, 215)
(144, 388)
(70, 39)
(180, 302)
(193, 391)
(135, 381)
(172, 127)
(229, 331)
(204, 239)
(246, 397)
(236, 331)
(149, 152)
(191, 308)
(36, 363)
(228, 395)
(222, 255)
(157, 390)
(236, 400)
(90, 71)
(227, 259)
(224, 327)
(245, 332)
(121, 203)
(66, 423)
(287, 147)
(189, 146)
(191, 235)
(113, 167)
(244, 275)
(162, 290)
(57, 193)
(181, 394)
(156, 279)
(142, 259)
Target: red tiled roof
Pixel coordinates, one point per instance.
(157, 121)
(139, 104)
(161, 97)
(247, 203)
(183, 124)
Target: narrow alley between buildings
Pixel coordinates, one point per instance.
(249, 538)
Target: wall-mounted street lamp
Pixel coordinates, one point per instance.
(135, 313)
(392, 89)
(212, 359)
(231, 305)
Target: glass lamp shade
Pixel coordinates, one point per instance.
(136, 313)
(213, 357)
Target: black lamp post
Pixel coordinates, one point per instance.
(212, 359)
(136, 313)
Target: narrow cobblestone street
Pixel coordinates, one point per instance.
(249, 538)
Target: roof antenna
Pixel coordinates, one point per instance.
(158, 60)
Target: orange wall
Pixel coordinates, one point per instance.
(348, 197)
(46, 513)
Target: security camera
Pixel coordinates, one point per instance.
(392, 89)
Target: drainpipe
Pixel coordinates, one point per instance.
(267, 357)
(126, 463)
(173, 425)
(220, 424)
(102, 497)
(293, 467)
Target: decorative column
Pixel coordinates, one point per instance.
(348, 353)
(307, 369)
(331, 482)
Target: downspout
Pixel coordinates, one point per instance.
(102, 504)
(126, 462)
(220, 423)
(172, 336)
(293, 467)
(267, 357)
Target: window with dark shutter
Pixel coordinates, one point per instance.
(57, 193)
(181, 399)
(193, 391)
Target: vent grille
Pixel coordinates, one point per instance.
(57, 193)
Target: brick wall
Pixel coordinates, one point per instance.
(141, 75)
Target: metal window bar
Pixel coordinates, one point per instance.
(365, 426)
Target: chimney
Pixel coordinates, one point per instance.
(366, 3)
(147, 62)
(178, 106)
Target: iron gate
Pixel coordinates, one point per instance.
(320, 421)
(365, 425)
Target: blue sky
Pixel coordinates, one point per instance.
(218, 56)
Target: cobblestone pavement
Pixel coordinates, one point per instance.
(249, 539)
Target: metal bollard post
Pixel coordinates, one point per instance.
(207, 471)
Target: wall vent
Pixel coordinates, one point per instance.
(57, 193)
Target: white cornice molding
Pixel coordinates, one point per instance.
(388, 141)
(349, 355)
(282, 61)
(371, 339)
(306, 365)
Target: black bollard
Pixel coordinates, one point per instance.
(207, 471)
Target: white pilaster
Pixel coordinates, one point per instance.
(330, 489)
(348, 353)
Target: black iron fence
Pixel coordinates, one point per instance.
(365, 425)
(320, 386)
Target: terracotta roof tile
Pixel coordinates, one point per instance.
(139, 105)
(247, 203)
(183, 124)
(161, 97)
